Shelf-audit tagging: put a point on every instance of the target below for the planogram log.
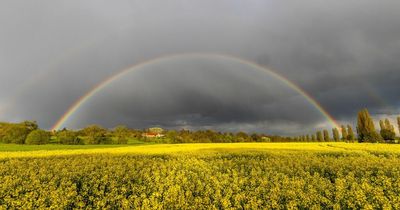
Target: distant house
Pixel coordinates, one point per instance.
(152, 135)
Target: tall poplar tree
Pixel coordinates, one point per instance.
(350, 133)
(387, 130)
(326, 135)
(366, 128)
(382, 125)
(335, 133)
(319, 136)
(388, 125)
(344, 133)
(398, 123)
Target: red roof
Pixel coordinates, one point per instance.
(152, 134)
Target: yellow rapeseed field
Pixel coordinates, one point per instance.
(204, 176)
(202, 147)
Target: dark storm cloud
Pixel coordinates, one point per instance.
(207, 93)
(345, 54)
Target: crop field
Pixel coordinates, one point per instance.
(203, 176)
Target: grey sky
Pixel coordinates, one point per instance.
(343, 53)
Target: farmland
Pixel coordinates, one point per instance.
(203, 176)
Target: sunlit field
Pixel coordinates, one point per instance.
(15, 151)
(204, 176)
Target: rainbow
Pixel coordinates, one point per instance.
(100, 86)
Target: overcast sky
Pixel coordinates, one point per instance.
(345, 54)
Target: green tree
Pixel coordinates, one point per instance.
(388, 125)
(344, 133)
(30, 125)
(68, 137)
(121, 134)
(242, 137)
(171, 136)
(14, 133)
(335, 133)
(350, 133)
(38, 137)
(4, 126)
(387, 134)
(313, 138)
(366, 128)
(326, 135)
(398, 123)
(95, 134)
(387, 130)
(382, 125)
(319, 136)
(254, 138)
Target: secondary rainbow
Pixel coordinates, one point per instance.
(97, 88)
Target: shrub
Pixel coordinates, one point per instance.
(68, 137)
(95, 134)
(38, 137)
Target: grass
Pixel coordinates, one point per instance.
(54, 146)
(18, 147)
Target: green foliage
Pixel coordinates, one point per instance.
(313, 138)
(95, 134)
(382, 124)
(68, 137)
(30, 125)
(335, 133)
(326, 136)
(38, 137)
(319, 136)
(388, 134)
(387, 130)
(344, 132)
(350, 133)
(121, 134)
(366, 128)
(388, 125)
(398, 123)
(171, 135)
(14, 132)
(242, 137)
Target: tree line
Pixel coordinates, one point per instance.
(366, 131)
(28, 132)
